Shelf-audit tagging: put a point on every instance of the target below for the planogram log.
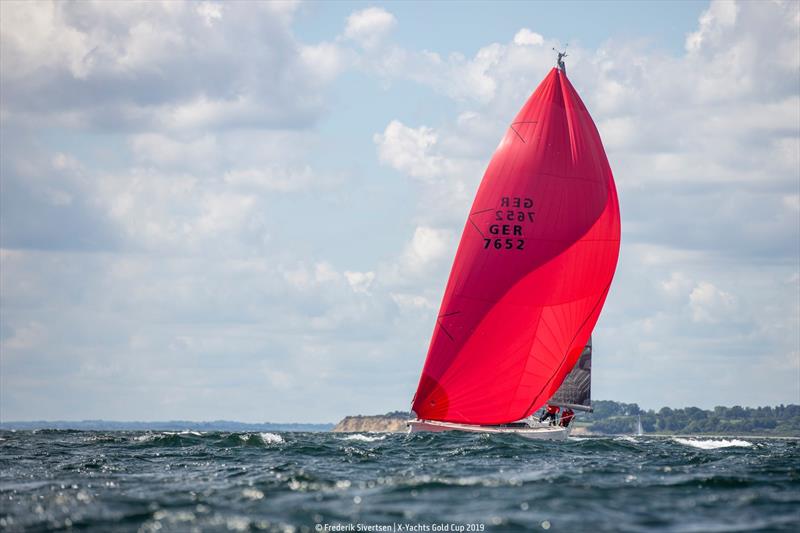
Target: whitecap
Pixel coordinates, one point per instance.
(271, 438)
(626, 438)
(364, 438)
(252, 494)
(712, 444)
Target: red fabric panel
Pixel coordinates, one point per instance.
(532, 270)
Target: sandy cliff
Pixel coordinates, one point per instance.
(388, 423)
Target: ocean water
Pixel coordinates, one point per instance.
(188, 481)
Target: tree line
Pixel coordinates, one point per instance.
(618, 417)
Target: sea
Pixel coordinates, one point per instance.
(309, 482)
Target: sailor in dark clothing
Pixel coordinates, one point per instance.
(550, 412)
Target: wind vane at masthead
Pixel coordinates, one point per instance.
(560, 59)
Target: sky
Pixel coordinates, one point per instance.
(248, 211)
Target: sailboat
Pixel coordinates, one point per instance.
(529, 279)
(639, 428)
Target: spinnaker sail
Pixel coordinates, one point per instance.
(532, 270)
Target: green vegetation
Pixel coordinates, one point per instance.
(617, 417)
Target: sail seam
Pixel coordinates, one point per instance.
(564, 357)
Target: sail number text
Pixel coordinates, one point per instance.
(510, 236)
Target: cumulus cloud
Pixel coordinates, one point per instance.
(302, 277)
(411, 150)
(677, 284)
(713, 23)
(427, 246)
(369, 26)
(360, 281)
(412, 302)
(708, 302)
(160, 64)
(526, 37)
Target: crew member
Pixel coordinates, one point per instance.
(567, 416)
(550, 411)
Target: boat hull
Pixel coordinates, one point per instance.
(543, 432)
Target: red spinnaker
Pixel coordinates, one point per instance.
(532, 271)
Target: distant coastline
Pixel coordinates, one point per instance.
(617, 418)
(170, 425)
(608, 418)
(613, 418)
(394, 422)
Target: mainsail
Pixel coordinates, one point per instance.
(532, 270)
(576, 390)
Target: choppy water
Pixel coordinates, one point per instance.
(135, 481)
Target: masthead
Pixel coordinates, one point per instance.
(560, 59)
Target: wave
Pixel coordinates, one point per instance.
(271, 438)
(195, 438)
(249, 439)
(604, 444)
(364, 438)
(712, 444)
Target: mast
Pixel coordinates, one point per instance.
(560, 59)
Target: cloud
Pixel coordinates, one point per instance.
(360, 281)
(177, 65)
(708, 302)
(427, 246)
(163, 150)
(439, 161)
(210, 12)
(303, 278)
(411, 150)
(370, 26)
(677, 284)
(526, 37)
(412, 302)
(720, 16)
